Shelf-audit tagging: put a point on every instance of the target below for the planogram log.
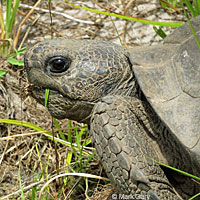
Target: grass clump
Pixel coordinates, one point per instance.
(7, 25)
(76, 162)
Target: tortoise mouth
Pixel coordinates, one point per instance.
(40, 92)
(61, 106)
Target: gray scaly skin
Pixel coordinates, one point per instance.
(93, 82)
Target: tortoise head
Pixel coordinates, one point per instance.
(78, 74)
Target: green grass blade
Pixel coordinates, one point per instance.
(69, 158)
(145, 21)
(69, 133)
(8, 13)
(1, 23)
(194, 33)
(40, 161)
(192, 29)
(69, 138)
(33, 196)
(58, 127)
(20, 184)
(26, 124)
(22, 123)
(174, 3)
(196, 4)
(12, 18)
(89, 159)
(178, 170)
(87, 140)
(194, 196)
(190, 7)
(46, 97)
(17, 52)
(78, 138)
(37, 128)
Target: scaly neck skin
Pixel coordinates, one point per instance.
(127, 86)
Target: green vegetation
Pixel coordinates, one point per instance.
(7, 26)
(2, 72)
(8, 39)
(77, 160)
(192, 6)
(170, 24)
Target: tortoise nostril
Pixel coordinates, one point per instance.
(65, 89)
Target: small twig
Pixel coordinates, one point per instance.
(124, 34)
(86, 189)
(43, 25)
(5, 149)
(116, 31)
(73, 188)
(71, 174)
(36, 133)
(172, 7)
(196, 181)
(197, 141)
(27, 32)
(50, 15)
(128, 6)
(62, 14)
(56, 151)
(24, 189)
(23, 21)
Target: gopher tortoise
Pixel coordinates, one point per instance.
(140, 103)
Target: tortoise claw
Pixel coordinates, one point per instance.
(152, 195)
(137, 175)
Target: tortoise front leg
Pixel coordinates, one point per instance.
(122, 143)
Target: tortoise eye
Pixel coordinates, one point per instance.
(59, 64)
